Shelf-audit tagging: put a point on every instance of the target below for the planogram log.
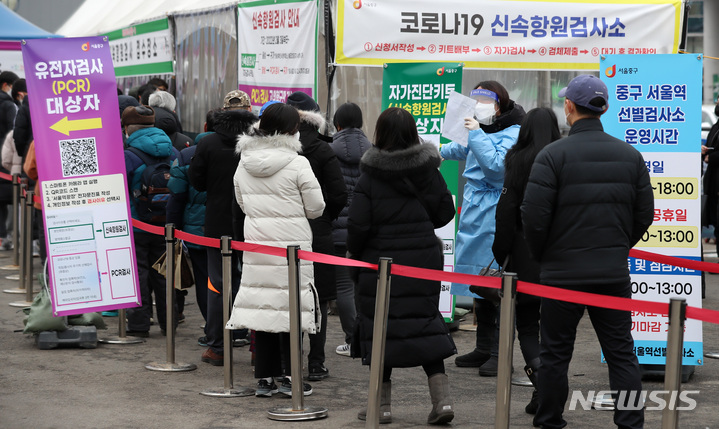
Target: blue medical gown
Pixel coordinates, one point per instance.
(484, 171)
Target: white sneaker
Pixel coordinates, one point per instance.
(343, 350)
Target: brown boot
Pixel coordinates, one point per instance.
(442, 407)
(385, 411)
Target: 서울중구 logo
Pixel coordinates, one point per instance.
(611, 71)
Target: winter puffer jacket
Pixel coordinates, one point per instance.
(278, 193)
(386, 219)
(186, 207)
(212, 168)
(588, 201)
(327, 171)
(153, 142)
(349, 145)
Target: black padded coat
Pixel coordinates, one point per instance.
(386, 219)
(588, 201)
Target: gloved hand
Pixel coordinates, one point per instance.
(471, 124)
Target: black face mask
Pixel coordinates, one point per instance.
(716, 110)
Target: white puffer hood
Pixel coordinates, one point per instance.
(261, 162)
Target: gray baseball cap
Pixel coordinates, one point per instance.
(585, 88)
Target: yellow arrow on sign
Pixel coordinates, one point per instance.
(65, 126)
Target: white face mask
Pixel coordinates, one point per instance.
(484, 113)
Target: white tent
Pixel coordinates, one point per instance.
(98, 17)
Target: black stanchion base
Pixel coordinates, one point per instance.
(288, 414)
(653, 372)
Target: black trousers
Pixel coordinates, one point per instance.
(199, 269)
(316, 356)
(272, 354)
(148, 249)
(558, 328)
(487, 326)
(215, 325)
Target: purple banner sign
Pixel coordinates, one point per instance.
(80, 162)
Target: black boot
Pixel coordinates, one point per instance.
(531, 371)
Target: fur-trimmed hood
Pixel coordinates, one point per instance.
(313, 118)
(404, 162)
(263, 156)
(230, 123)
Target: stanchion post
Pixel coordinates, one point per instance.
(506, 339)
(23, 239)
(122, 337)
(298, 410)
(28, 247)
(25, 275)
(228, 390)
(18, 231)
(673, 370)
(15, 218)
(170, 291)
(379, 338)
(170, 365)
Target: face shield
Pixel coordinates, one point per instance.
(486, 108)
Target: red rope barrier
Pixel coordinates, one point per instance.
(5, 176)
(595, 300)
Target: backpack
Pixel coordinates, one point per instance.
(153, 194)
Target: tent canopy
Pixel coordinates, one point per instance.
(15, 27)
(99, 17)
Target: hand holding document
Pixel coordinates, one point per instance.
(458, 108)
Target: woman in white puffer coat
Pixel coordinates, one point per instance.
(277, 190)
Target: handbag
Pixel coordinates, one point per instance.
(184, 276)
(39, 315)
(490, 293)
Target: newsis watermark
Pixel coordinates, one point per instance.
(654, 400)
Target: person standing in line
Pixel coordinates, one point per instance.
(493, 130)
(327, 170)
(349, 144)
(211, 170)
(12, 90)
(710, 180)
(145, 144)
(539, 128)
(588, 201)
(399, 200)
(186, 210)
(277, 190)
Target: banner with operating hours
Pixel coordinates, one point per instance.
(81, 169)
(277, 49)
(655, 106)
(423, 90)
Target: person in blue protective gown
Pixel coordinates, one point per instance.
(492, 131)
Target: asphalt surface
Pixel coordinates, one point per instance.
(109, 386)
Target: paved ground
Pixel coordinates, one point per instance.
(109, 387)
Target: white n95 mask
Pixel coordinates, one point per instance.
(484, 113)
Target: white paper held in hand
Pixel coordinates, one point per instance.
(458, 107)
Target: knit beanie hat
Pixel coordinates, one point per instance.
(302, 101)
(137, 117)
(126, 101)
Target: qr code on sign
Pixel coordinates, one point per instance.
(78, 157)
